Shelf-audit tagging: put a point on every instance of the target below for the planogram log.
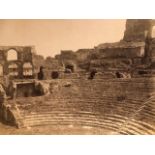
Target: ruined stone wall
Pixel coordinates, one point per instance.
(24, 55)
(111, 63)
(151, 52)
(78, 59)
(137, 29)
(67, 54)
(122, 52)
(137, 88)
(38, 60)
(83, 54)
(118, 58)
(25, 90)
(134, 50)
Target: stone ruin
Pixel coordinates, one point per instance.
(16, 61)
(134, 54)
(110, 86)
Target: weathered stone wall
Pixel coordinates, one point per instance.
(38, 60)
(137, 29)
(136, 88)
(26, 90)
(7, 115)
(111, 63)
(83, 54)
(21, 88)
(24, 54)
(67, 54)
(151, 52)
(77, 59)
(122, 52)
(136, 47)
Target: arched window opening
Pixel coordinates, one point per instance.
(12, 55)
(55, 75)
(1, 70)
(69, 69)
(153, 32)
(13, 69)
(27, 69)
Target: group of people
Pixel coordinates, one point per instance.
(118, 74)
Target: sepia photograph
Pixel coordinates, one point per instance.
(77, 77)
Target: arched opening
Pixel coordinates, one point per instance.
(153, 32)
(13, 69)
(12, 55)
(69, 69)
(1, 70)
(55, 75)
(27, 69)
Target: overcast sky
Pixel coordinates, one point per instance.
(52, 36)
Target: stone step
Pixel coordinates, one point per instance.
(148, 112)
(116, 120)
(101, 111)
(86, 101)
(76, 114)
(138, 127)
(131, 128)
(82, 122)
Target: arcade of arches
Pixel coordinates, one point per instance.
(13, 69)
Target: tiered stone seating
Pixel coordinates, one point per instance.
(92, 104)
(147, 113)
(137, 127)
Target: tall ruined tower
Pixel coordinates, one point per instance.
(142, 30)
(138, 29)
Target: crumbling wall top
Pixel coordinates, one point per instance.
(138, 29)
(121, 44)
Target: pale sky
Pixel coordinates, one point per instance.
(51, 36)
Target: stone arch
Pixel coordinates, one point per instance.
(54, 74)
(27, 69)
(12, 55)
(13, 69)
(70, 67)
